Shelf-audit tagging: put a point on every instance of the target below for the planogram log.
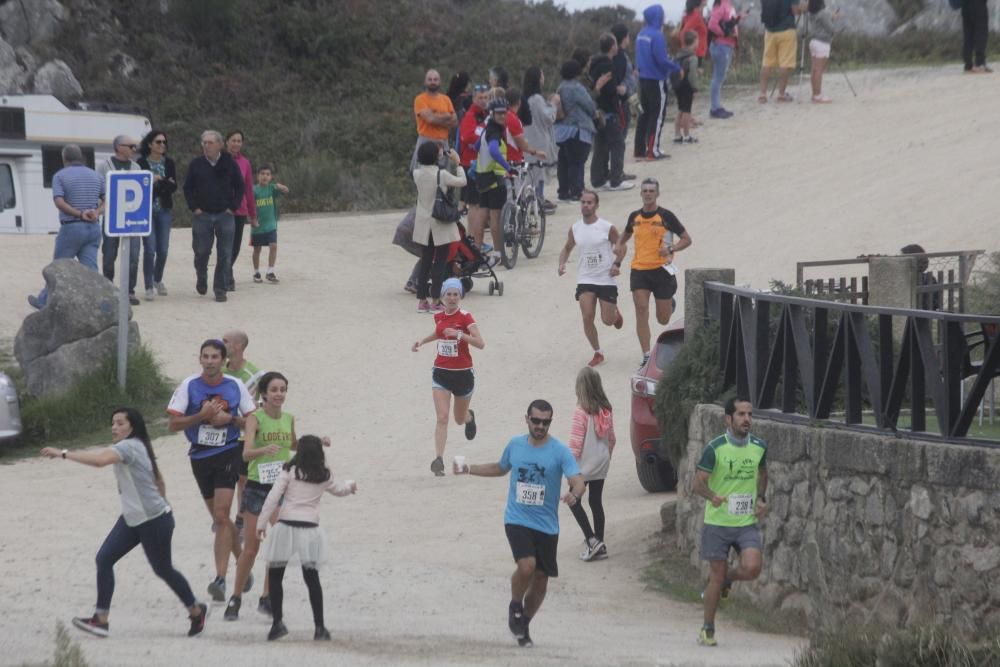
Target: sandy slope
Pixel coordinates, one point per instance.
(422, 566)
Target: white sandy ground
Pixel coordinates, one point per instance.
(420, 564)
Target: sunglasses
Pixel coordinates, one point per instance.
(159, 141)
(539, 422)
(480, 88)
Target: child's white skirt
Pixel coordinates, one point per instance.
(284, 543)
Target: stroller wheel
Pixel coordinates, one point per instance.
(491, 289)
(500, 288)
(466, 284)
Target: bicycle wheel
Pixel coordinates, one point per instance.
(508, 235)
(532, 227)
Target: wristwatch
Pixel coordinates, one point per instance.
(64, 453)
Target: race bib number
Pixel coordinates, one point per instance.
(530, 494)
(592, 260)
(741, 504)
(448, 348)
(209, 436)
(268, 472)
(671, 269)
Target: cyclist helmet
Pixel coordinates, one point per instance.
(498, 104)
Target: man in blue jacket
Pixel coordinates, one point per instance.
(654, 67)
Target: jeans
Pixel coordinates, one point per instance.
(975, 32)
(109, 252)
(433, 267)
(572, 158)
(76, 240)
(609, 146)
(154, 536)
(722, 55)
(206, 228)
(155, 246)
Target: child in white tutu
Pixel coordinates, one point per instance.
(302, 483)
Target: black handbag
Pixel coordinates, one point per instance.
(444, 209)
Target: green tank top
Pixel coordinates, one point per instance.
(732, 472)
(265, 469)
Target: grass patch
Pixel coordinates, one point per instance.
(915, 647)
(80, 418)
(66, 653)
(671, 573)
(987, 431)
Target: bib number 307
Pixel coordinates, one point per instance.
(209, 436)
(741, 504)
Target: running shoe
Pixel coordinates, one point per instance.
(322, 634)
(217, 589)
(249, 583)
(133, 299)
(423, 307)
(590, 548)
(92, 625)
(198, 622)
(525, 641)
(264, 606)
(410, 288)
(150, 294)
(707, 637)
(549, 207)
(516, 621)
(273, 279)
(470, 426)
(619, 320)
(624, 185)
(602, 552)
(597, 360)
(257, 278)
(645, 360)
(278, 630)
(437, 467)
(233, 609)
(437, 308)
(678, 139)
(161, 289)
(201, 286)
(690, 140)
(221, 297)
(629, 177)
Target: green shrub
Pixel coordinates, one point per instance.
(983, 293)
(913, 647)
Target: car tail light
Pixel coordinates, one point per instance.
(643, 386)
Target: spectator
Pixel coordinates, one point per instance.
(723, 23)
(778, 17)
(435, 115)
(499, 77)
(694, 21)
(472, 127)
(930, 300)
(538, 116)
(607, 168)
(213, 189)
(820, 30)
(975, 32)
(461, 99)
(246, 210)
(492, 169)
(78, 193)
(517, 146)
(153, 152)
(629, 83)
(574, 133)
(686, 87)
(655, 67)
(124, 148)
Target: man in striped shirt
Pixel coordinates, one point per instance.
(78, 192)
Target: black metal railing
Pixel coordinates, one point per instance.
(824, 354)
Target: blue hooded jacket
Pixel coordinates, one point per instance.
(651, 48)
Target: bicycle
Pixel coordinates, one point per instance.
(522, 219)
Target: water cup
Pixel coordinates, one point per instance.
(460, 463)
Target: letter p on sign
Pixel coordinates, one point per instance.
(130, 203)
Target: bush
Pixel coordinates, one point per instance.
(914, 647)
(983, 294)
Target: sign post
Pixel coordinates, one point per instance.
(129, 215)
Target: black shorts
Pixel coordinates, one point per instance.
(265, 239)
(495, 198)
(470, 195)
(254, 496)
(685, 97)
(530, 543)
(220, 471)
(607, 293)
(658, 281)
(460, 383)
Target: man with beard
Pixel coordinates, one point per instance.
(434, 113)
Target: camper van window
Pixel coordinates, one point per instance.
(12, 123)
(52, 161)
(7, 198)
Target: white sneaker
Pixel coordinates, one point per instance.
(591, 548)
(161, 289)
(150, 294)
(624, 185)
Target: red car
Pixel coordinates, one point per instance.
(651, 463)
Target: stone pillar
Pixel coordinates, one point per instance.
(892, 282)
(694, 294)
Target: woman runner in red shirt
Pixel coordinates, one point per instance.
(454, 330)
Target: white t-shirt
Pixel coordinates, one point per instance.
(595, 252)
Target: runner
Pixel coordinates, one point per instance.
(454, 330)
(272, 434)
(299, 488)
(531, 519)
(239, 367)
(210, 408)
(652, 266)
(592, 439)
(599, 262)
(732, 476)
(146, 518)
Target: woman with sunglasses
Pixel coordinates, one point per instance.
(454, 330)
(153, 157)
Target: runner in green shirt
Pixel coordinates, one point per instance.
(732, 477)
(265, 233)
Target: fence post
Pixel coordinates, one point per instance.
(696, 308)
(892, 282)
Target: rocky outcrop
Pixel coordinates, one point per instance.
(74, 334)
(31, 21)
(12, 74)
(56, 78)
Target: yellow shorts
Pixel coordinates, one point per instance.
(779, 48)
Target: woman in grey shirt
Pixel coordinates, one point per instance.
(538, 116)
(146, 518)
(574, 133)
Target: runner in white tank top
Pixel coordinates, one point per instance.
(597, 266)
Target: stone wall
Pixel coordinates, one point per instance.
(865, 527)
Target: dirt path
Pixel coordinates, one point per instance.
(421, 565)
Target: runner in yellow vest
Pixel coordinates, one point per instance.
(732, 477)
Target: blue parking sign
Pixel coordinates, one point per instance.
(129, 197)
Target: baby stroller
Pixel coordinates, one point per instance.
(466, 261)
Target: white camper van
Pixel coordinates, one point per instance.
(33, 131)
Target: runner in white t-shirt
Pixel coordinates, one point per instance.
(597, 240)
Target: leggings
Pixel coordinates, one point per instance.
(597, 509)
(433, 267)
(154, 536)
(277, 595)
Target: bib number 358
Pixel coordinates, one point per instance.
(530, 494)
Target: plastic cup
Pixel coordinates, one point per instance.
(460, 463)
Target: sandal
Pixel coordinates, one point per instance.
(820, 99)
(762, 99)
(785, 97)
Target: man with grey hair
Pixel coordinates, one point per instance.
(213, 190)
(121, 160)
(78, 193)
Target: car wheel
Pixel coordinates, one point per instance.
(656, 477)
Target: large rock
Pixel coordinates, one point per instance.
(74, 334)
(12, 75)
(56, 78)
(33, 21)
